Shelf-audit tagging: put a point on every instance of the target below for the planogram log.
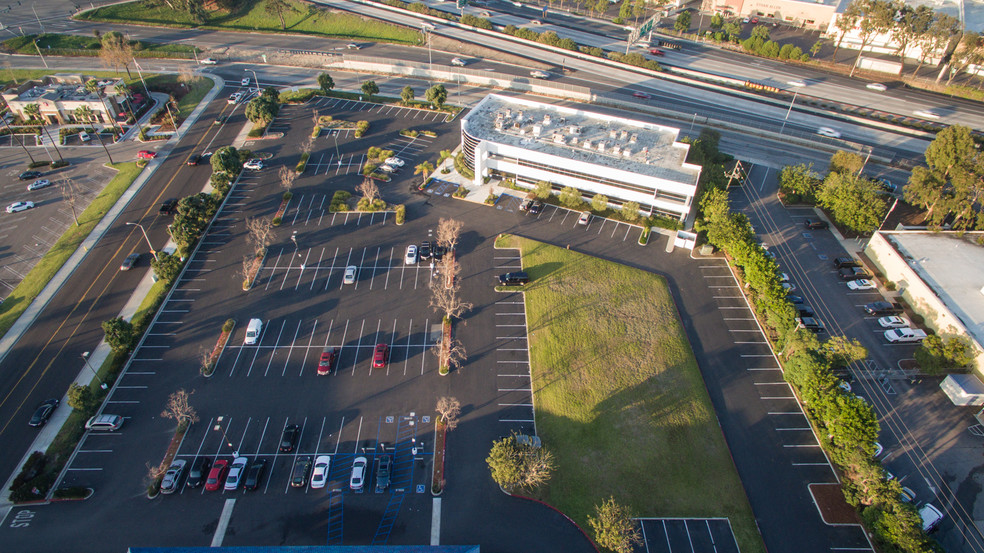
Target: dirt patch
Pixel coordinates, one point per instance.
(830, 501)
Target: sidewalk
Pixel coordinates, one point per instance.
(102, 351)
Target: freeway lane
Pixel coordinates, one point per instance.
(48, 357)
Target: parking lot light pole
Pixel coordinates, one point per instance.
(39, 53)
(152, 250)
(218, 426)
(85, 357)
(796, 86)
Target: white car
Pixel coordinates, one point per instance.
(783, 277)
(537, 74)
(234, 98)
(458, 62)
(828, 132)
(358, 478)
(411, 257)
(861, 284)
(394, 161)
(253, 164)
(236, 472)
(19, 206)
(536, 22)
(349, 277)
(84, 136)
(244, 82)
(353, 46)
(926, 113)
(320, 476)
(876, 86)
(584, 219)
(39, 184)
(894, 321)
(208, 61)
(788, 287)
(173, 476)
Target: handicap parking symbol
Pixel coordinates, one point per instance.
(420, 488)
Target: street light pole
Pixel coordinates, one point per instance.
(139, 72)
(85, 357)
(218, 426)
(255, 79)
(796, 86)
(152, 250)
(36, 47)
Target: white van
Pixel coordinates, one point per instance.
(253, 331)
(931, 517)
(905, 335)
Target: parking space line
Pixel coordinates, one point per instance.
(358, 437)
(358, 347)
(391, 340)
(308, 348)
(272, 353)
(386, 283)
(423, 352)
(406, 360)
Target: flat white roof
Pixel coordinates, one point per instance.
(575, 133)
(953, 267)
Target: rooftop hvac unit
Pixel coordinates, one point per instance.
(634, 138)
(546, 119)
(519, 116)
(617, 150)
(508, 112)
(574, 129)
(536, 130)
(558, 138)
(587, 144)
(611, 133)
(623, 135)
(601, 146)
(627, 152)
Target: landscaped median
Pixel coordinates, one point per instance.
(619, 399)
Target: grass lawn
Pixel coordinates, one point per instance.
(251, 15)
(38, 277)
(57, 43)
(618, 395)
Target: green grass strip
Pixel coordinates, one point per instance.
(21, 297)
(75, 45)
(251, 15)
(619, 397)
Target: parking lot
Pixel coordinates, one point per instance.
(687, 535)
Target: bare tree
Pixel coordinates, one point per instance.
(454, 355)
(116, 51)
(445, 299)
(287, 177)
(448, 233)
(449, 408)
(449, 266)
(260, 233)
(539, 466)
(186, 75)
(368, 189)
(71, 196)
(179, 409)
(156, 472)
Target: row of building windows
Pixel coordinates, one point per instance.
(586, 194)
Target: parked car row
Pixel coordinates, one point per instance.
(425, 252)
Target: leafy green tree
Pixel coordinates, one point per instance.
(799, 182)
(325, 83)
(599, 202)
(437, 95)
(846, 162)
(194, 214)
(92, 85)
(842, 351)
(166, 266)
(571, 197)
(263, 108)
(32, 111)
(875, 17)
(941, 31)
(897, 526)
(951, 184)
(854, 201)
(543, 189)
(601, 6)
(717, 21)
(83, 113)
(760, 32)
(119, 334)
(369, 88)
(630, 210)
(638, 9)
(505, 462)
(81, 398)
(625, 9)
(614, 527)
(911, 23)
(940, 353)
(270, 93)
(733, 30)
(407, 94)
(682, 23)
(279, 8)
(226, 160)
(851, 422)
(815, 49)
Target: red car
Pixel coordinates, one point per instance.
(146, 154)
(327, 361)
(656, 52)
(216, 476)
(755, 20)
(642, 95)
(379, 356)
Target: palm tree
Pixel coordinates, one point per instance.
(83, 113)
(32, 111)
(425, 169)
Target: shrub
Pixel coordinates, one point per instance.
(361, 128)
(401, 214)
(462, 167)
(339, 202)
(373, 206)
(58, 164)
(36, 164)
(228, 325)
(276, 221)
(461, 192)
(410, 133)
(491, 199)
(302, 164)
(315, 131)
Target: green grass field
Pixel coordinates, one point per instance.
(618, 395)
(90, 45)
(251, 15)
(38, 277)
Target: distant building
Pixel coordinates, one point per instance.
(811, 14)
(626, 160)
(58, 96)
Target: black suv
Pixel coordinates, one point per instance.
(883, 308)
(510, 279)
(29, 175)
(845, 262)
(853, 273)
(536, 207)
(805, 311)
(302, 468)
(199, 471)
(169, 207)
(810, 324)
(254, 474)
(289, 438)
(815, 225)
(383, 473)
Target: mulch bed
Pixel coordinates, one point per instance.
(830, 501)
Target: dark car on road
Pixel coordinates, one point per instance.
(29, 175)
(536, 207)
(517, 278)
(130, 261)
(302, 468)
(199, 469)
(169, 207)
(383, 473)
(883, 308)
(43, 412)
(289, 438)
(254, 474)
(854, 273)
(193, 159)
(805, 311)
(815, 224)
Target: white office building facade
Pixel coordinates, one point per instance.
(624, 159)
